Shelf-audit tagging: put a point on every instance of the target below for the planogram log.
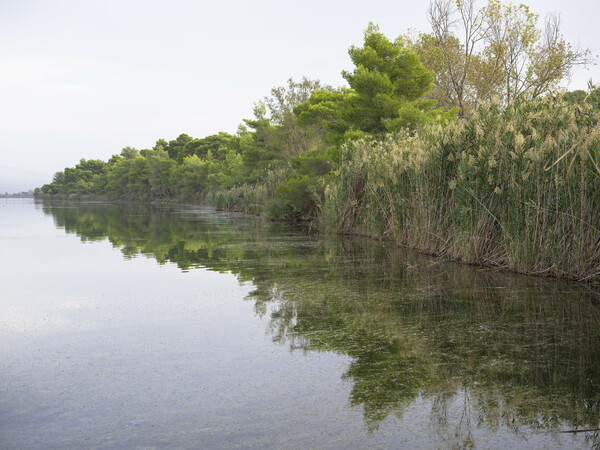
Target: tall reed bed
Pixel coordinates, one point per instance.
(515, 187)
(250, 198)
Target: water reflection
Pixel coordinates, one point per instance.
(485, 350)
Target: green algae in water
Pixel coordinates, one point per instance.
(394, 348)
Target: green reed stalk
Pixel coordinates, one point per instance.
(515, 187)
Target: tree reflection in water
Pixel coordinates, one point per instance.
(486, 349)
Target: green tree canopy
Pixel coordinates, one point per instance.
(388, 81)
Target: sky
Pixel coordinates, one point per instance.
(83, 79)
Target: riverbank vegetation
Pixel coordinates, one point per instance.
(458, 147)
(516, 187)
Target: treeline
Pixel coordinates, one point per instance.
(294, 140)
(454, 146)
(274, 144)
(22, 194)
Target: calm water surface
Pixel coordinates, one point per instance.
(182, 327)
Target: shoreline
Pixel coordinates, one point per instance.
(591, 281)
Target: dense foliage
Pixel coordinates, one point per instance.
(505, 172)
(515, 187)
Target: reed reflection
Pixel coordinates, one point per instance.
(484, 349)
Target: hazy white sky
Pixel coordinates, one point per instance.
(83, 79)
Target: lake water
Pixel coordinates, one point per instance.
(182, 327)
